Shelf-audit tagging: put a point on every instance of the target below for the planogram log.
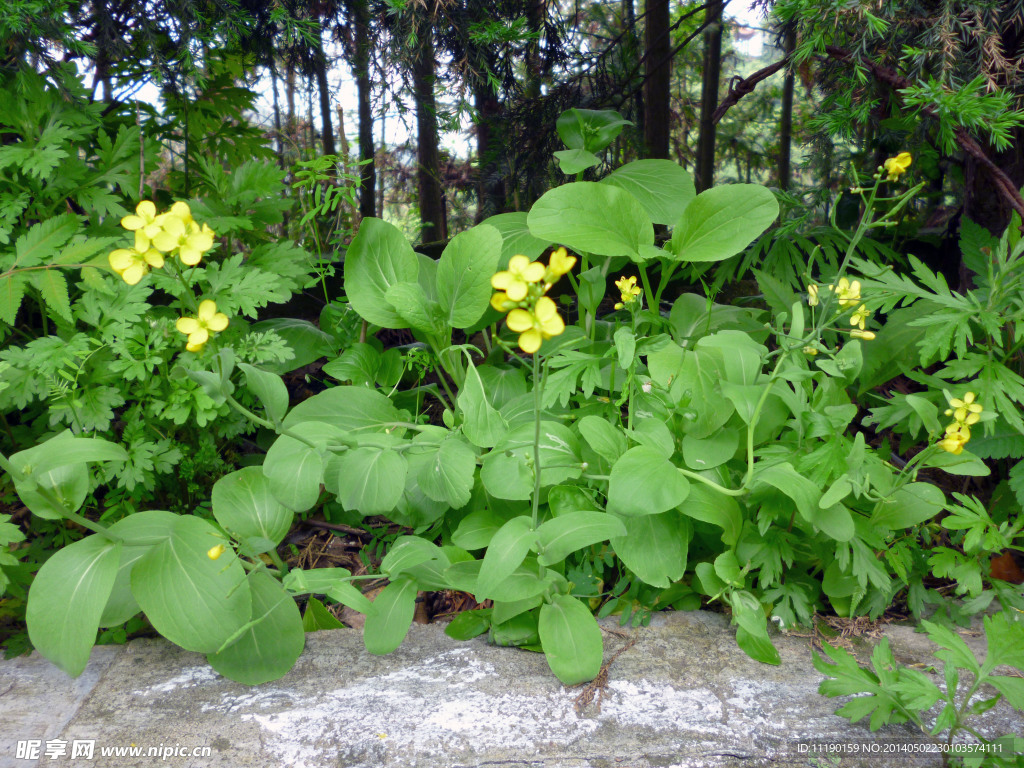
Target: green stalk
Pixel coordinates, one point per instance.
(537, 400)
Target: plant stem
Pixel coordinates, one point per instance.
(537, 392)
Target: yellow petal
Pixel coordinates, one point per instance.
(180, 210)
(189, 256)
(165, 241)
(134, 273)
(194, 347)
(519, 320)
(501, 280)
(552, 326)
(199, 336)
(215, 552)
(121, 259)
(518, 263)
(173, 225)
(207, 309)
(132, 222)
(187, 325)
(218, 322)
(517, 289)
(530, 340)
(534, 272)
(154, 258)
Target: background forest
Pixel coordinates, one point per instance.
(276, 159)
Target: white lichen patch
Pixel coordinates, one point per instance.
(659, 706)
(189, 677)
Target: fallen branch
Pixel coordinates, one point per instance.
(741, 86)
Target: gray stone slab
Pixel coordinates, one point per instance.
(37, 700)
(683, 695)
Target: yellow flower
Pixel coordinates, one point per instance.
(857, 333)
(628, 289)
(956, 438)
(191, 240)
(860, 316)
(810, 351)
(897, 166)
(181, 211)
(533, 327)
(967, 411)
(145, 220)
(849, 293)
(812, 295)
(215, 552)
(133, 263)
(198, 328)
(559, 264)
(515, 281)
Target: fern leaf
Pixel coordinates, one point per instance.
(1016, 481)
(81, 250)
(12, 288)
(54, 290)
(42, 240)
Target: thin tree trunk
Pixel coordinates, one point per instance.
(657, 79)
(432, 218)
(280, 139)
(709, 95)
(361, 69)
(320, 68)
(490, 185)
(383, 145)
(786, 120)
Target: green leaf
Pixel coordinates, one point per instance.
(607, 441)
(271, 645)
(477, 529)
(416, 309)
(662, 187)
(464, 274)
(482, 425)
(595, 218)
(352, 409)
(572, 161)
(752, 633)
(567, 533)
(295, 469)
(469, 624)
(507, 471)
(368, 480)
(505, 553)
(450, 473)
(140, 531)
(378, 257)
(70, 484)
(722, 221)
(190, 599)
(711, 451)
(67, 599)
(911, 505)
(406, 553)
(710, 506)
(655, 547)
(589, 129)
(12, 289)
(307, 342)
(269, 388)
(53, 288)
(245, 506)
(64, 449)
(389, 621)
(317, 617)
(571, 639)
(625, 346)
(966, 464)
(644, 482)
(516, 237)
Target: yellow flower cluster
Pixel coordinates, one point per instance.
(847, 293)
(158, 234)
(895, 167)
(628, 289)
(965, 413)
(520, 291)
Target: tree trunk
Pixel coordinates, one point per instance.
(361, 69)
(490, 184)
(709, 95)
(432, 218)
(786, 120)
(657, 79)
(320, 68)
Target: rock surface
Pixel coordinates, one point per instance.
(681, 694)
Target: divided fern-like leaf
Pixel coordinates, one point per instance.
(53, 289)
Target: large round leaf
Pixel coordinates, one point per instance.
(67, 598)
(655, 547)
(722, 221)
(192, 600)
(269, 647)
(378, 257)
(595, 218)
(644, 482)
(141, 532)
(662, 187)
(464, 274)
(571, 640)
(245, 506)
